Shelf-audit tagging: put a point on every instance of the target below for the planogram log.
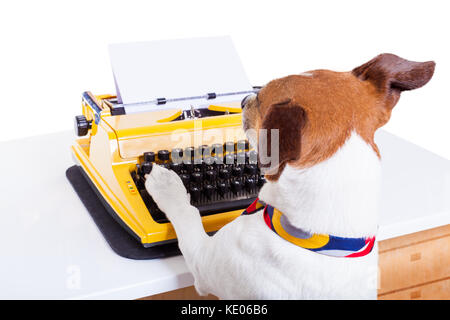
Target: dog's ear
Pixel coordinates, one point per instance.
(289, 119)
(391, 75)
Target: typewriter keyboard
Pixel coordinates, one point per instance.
(219, 178)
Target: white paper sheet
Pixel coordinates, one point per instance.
(145, 71)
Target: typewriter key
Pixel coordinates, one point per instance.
(188, 166)
(208, 190)
(196, 177)
(146, 168)
(236, 186)
(261, 181)
(206, 151)
(149, 156)
(210, 176)
(237, 171)
(250, 184)
(185, 178)
(224, 173)
(251, 169)
(195, 193)
(163, 155)
(229, 159)
(252, 157)
(176, 167)
(240, 158)
(222, 188)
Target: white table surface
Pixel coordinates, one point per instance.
(51, 248)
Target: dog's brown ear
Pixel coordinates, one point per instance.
(392, 74)
(289, 119)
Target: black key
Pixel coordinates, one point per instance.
(210, 176)
(208, 190)
(236, 186)
(222, 188)
(149, 156)
(146, 168)
(240, 158)
(261, 181)
(188, 166)
(250, 183)
(237, 171)
(251, 169)
(185, 178)
(176, 167)
(163, 155)
(224, 173)
(165, 165)
(177, 155)
(195, 193)
(196, 177)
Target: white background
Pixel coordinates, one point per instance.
(52, 51)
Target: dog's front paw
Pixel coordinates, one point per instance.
(167, 189)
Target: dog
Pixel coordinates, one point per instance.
(325, 186)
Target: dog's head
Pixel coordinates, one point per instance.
(315, 112)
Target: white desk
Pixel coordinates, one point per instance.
(51, 248)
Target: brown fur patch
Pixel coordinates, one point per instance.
(334, 104)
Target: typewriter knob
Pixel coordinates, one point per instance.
(82, 125)
(224, 173)
(250, 183)
(185, 178)
(196, 177)
(175, 166)
(237, 171)
(251, 169)
(210, 176)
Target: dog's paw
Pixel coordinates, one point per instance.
(167, 189)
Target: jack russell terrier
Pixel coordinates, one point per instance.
(311, 234)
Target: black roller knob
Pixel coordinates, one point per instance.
(177, 155)
(228, 146)
(163, 155)
(237, 171)
(146, 168)
(195, 193)
(224, 173)
(222, 188)
(251, 169)
(217, 149)
(250, 183)
(236, 186)
(196, 177)
(149, 156)
(208, 190)
(210, 176)
(82, 125)
(185, 178)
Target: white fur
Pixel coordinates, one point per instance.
(246, 260)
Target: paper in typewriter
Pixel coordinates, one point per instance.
(146, 71)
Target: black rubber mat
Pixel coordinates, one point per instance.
(119, 239)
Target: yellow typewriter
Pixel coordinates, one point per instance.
(204, 144)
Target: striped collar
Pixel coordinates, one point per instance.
(321, 243)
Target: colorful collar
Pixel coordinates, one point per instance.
(321, 243)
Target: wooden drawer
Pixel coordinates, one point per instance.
(412, 263)
(434, 290)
